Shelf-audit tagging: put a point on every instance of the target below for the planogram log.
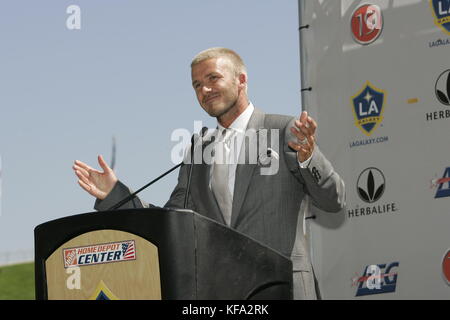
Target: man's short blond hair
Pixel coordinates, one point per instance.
(218, 52)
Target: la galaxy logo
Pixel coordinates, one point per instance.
(441, 12)
(368, 108)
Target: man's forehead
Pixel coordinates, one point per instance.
(210, 65)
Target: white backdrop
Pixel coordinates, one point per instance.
(374, 69)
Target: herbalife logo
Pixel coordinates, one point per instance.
(443, 88)
(370, 188)
(371, 185)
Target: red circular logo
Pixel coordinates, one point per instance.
(446, 267)
(367, 23)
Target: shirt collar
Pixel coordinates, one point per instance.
(241, 122)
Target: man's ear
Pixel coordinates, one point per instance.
(242, 80)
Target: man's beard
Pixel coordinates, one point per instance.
(222, 111)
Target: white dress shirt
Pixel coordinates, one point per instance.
(239, 127)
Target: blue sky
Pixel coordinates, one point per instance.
(125, 73)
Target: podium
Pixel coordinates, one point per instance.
(154, 254)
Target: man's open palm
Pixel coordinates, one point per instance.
(97, 183)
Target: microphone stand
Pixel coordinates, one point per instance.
(188, 187)
(131, 196)
(189, 179)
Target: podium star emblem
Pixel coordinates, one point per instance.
(102, 292)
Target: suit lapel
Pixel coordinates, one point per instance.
(244, 171)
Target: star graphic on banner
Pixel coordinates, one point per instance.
(368, 97)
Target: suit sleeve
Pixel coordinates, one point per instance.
(322, 183)
(120, 191)
(176, 199)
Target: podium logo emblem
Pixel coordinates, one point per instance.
(102, 292)
(99, 253)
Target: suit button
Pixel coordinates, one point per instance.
(316, 174)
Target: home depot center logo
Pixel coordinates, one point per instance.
(100, 253)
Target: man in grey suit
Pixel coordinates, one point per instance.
(264, 205)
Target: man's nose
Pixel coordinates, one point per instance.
(206, 89)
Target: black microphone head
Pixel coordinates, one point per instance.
(198, 138)
(203, 131)
(201, 134)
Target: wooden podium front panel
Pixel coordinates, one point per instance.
(104, 264)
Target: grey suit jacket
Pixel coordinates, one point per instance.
(265, 207)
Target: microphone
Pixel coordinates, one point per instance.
(202, 134)
(133, 195)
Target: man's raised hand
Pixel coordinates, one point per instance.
(97, 183)
(304, 130)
